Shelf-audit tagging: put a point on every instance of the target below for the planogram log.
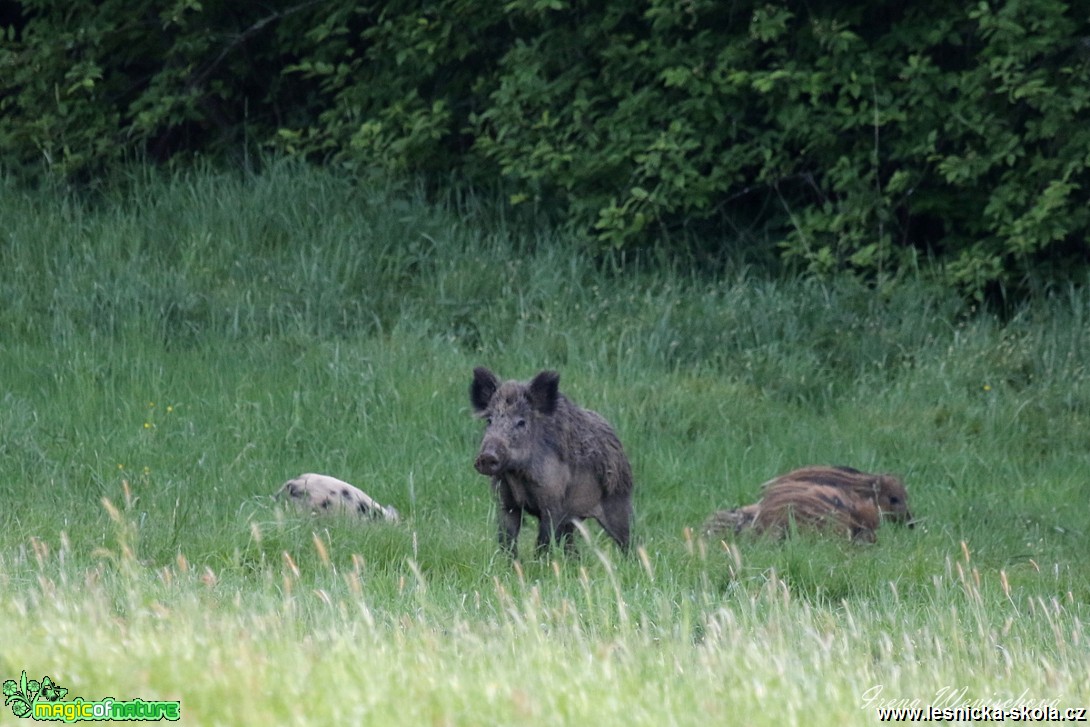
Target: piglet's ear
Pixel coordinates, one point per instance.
(483, 387)
(544, 391)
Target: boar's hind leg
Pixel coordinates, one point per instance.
(615, 516)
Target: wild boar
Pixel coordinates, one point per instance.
(733, 521)
(808, 506)
(820, 507)
(325, 494)
(856, 501)
(549, 458)
(886, 491)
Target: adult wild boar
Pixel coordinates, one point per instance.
(550, 458)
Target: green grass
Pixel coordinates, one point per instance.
(175, 348)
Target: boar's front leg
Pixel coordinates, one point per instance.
(510, 524)
(510, 517)
(557, 529)
(565, 534)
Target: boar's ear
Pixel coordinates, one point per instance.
(483, 387)
(544, 391)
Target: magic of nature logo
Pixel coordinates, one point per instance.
(44, 700)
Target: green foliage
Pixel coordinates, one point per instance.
(879, 134)
(393, 83)
(863, 137)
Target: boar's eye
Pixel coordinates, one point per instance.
(488, 421)
(520, 423)
(894, 500)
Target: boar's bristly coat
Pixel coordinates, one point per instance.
(822, 498)
(887, 492)
(804, 505)
(821, 507)
(549, 458)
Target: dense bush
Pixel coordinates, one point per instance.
(862, 135)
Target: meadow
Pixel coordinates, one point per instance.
(173, 348)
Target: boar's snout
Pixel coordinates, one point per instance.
(489, 460)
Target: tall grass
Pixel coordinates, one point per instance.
(175, 348)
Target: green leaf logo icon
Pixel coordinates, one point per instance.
(16, 696)
(22, 695)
